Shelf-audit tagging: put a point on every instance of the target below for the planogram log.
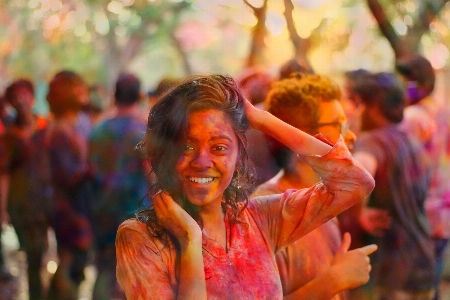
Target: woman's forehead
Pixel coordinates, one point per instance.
(212, 123)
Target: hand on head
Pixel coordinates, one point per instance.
(352, 267)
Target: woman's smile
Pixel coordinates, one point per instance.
(201, 180)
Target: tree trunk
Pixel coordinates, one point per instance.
(257, 47)
(410, 43)
(184, 58)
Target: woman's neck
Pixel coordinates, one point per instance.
(213, 223)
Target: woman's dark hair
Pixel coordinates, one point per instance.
(167, 131)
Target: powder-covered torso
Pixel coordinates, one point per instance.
(147, 267)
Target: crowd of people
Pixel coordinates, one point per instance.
(259, 187)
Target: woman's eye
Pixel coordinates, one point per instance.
(219, 148)
(188, 147)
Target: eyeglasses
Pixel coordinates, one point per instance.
(343, 127)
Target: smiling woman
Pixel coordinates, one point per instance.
(203, 237)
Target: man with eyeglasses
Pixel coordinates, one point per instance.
(318, 265)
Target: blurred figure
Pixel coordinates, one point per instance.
(121, 179)
(71, 177)
(163, 86)
(6, 118)
(5, 275)
(97, 104)
(294, 66)
(25, 181)
(359, 218)
(318, 265)
(428, 122)
(403, 266)
(255, 84)
(350, 101)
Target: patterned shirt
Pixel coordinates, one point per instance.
(147, 268)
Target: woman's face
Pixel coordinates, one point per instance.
(208, 162)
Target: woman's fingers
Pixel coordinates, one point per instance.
(158, 202)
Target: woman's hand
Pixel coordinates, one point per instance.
(352, 267)
(175, 219)
(178, 222)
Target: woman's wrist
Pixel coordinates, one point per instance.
(257, 119)
(337, 282)
(190, 240)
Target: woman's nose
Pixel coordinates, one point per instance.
(202, 159)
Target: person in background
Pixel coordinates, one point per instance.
(294, 66)
(66, 143)
(359, 219)
(318, 265)
(428, 122)
(5, 275)
(255, 83)
(404, 265)
(203, 237)
(120, 179)
(24, 181)
(97, 104)
(164, 85)
(351, 103)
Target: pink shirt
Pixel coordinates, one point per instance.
(147, 269)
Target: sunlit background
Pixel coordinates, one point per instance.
(158, 38)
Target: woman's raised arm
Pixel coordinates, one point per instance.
(298, 141)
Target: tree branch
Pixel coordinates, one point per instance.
(184, 58)
(253, 7)
(258, 34)
(300, 44)
(427, 14)
(386, 27)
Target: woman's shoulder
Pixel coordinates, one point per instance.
(133, 224)
(134, 232)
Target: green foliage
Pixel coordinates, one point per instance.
(86, 36)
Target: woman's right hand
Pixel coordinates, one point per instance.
(175, 219)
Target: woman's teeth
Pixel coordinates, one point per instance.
(201, 180)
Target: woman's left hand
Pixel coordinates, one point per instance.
(175, 219)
